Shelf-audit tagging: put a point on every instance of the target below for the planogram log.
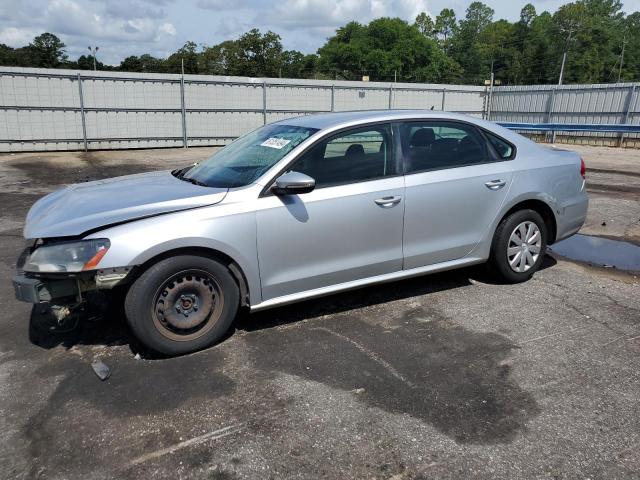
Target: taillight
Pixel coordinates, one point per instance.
(583, 169)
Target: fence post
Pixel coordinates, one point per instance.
(550, 106)
(444, 95)
(82, 116)
(484, 103)
(183, 113)
(390, 96)
(333, 98)
(627, 113)
(264, 103)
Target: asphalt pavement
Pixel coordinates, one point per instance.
(443, 376)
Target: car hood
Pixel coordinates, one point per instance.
(79, 208)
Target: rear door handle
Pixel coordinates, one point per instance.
(387, 202)
(495, 184)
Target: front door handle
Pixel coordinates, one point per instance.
(387, 202)
(495, 184)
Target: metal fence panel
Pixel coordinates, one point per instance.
(44, 109)
(571, 104)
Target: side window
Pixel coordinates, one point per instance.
(437, 145)
(502, 148)
(352, 156)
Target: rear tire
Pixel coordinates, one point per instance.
(182, 304)
(518, 247)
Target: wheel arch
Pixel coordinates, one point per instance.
(215, 254)
(541, 207)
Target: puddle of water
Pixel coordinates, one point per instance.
(600, 251)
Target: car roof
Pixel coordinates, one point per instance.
(328, 120)
(337, 120)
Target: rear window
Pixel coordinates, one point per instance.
(437, 144)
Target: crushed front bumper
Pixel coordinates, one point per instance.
(36, 290)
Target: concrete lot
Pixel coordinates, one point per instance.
(446, 376)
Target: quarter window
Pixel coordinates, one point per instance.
(502, 148)
(352, 156)
(437, 145)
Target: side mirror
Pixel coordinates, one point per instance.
(293, 183)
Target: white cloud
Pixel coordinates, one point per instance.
(167, 28)
(118, 27)
(133, 27)
(222, 4)
(17, 36)
(321, 13)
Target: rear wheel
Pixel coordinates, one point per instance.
(182, 304)
(519, 245)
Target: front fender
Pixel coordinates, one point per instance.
(234, 235)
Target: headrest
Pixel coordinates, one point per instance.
(423, 137)
(354, 149)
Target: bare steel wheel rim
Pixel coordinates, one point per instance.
(187, 305)
(524, 246)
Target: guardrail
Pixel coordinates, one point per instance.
(571, 127)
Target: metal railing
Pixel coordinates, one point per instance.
(601, 112)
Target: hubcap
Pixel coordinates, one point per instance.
(187, 305)
(525, 244)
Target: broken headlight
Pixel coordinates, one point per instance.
(74, 256)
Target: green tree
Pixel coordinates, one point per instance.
(298, 65)
(144, 63)
(467, 48)
(385, 49)
(85, 62)
(217, 60)
(258, 55)
(187, 54)
(446, 24)
(47, 51)
(527, 15)
(7, 55)
(426, 25)
(631, 35)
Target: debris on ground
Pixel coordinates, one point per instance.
(101, 369)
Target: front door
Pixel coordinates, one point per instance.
(348, 228)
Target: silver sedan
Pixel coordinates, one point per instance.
(297, 209)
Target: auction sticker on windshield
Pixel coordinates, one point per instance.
(274, 142)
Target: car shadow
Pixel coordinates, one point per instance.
(108, 327)
(419, 362)
(369, 296)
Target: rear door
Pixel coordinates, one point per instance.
(455, 185)
(348, 228)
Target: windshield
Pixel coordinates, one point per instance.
(244, 160)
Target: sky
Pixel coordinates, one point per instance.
(132, 27)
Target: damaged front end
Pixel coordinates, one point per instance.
(62, 272)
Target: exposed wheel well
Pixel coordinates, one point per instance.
(223, 258)
(545, 212)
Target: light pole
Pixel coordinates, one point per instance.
(624, 44)
(93, 51)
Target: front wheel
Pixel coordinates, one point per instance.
(182, 304)
(519, 245)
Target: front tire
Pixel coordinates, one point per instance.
(182, 304)
(519, 245)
